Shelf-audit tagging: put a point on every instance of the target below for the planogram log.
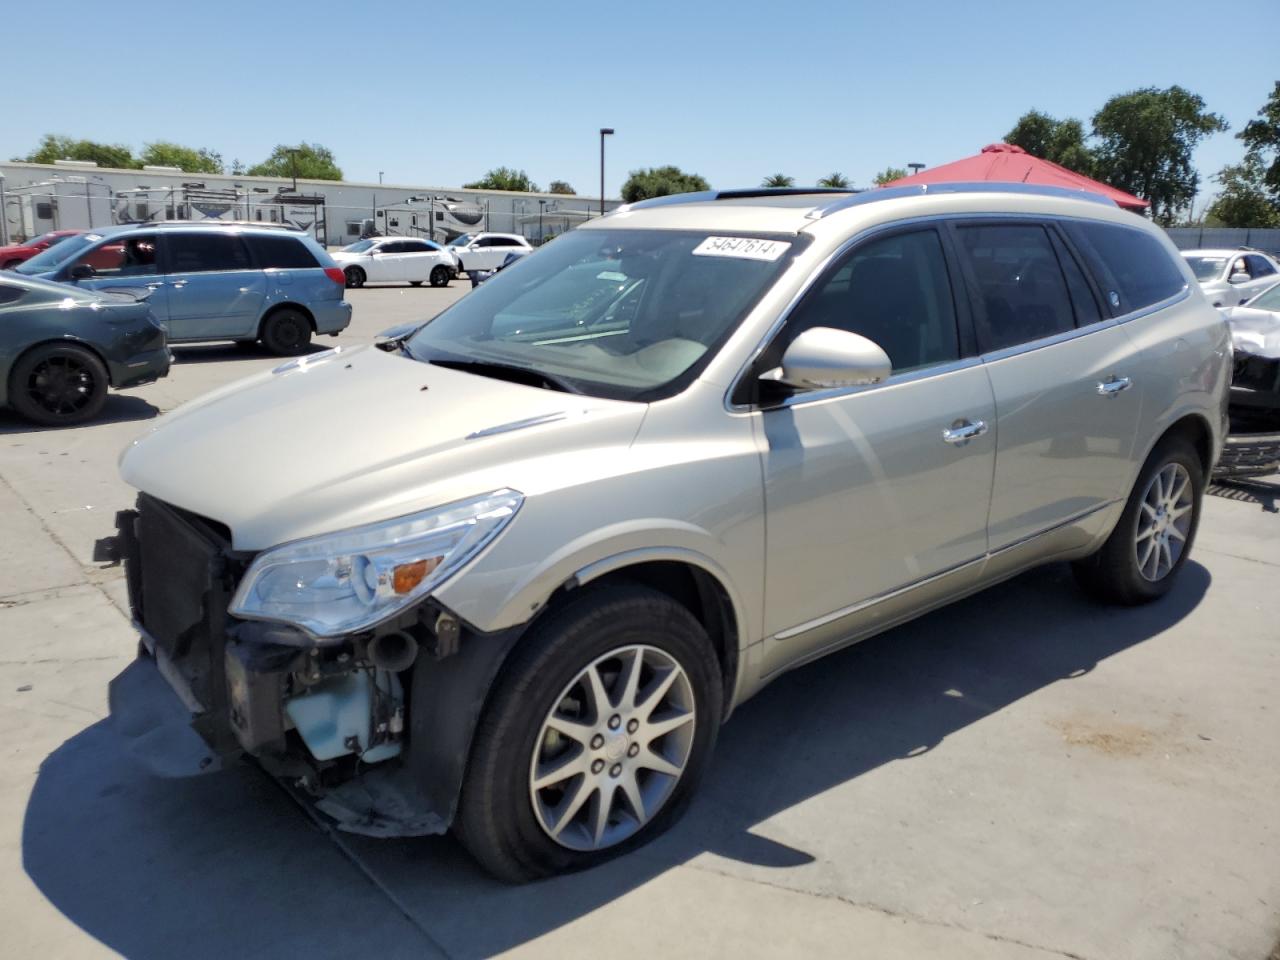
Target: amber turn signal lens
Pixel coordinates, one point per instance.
(406, 576)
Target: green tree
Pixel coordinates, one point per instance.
(310, 161)
(1059, 141)
(237, 168)
(888, 175)
(1146, 139)
(559, 186)
(660, 182)
(1244, 201)
(778, 180)
(504, 178)
(57, 147)
(837, 180)
(162, 153)
(1262, 137)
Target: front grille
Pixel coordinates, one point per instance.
(181, 576)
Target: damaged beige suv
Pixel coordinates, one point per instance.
(538, 548)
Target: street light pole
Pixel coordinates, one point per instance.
(541, 204)
(604, 132)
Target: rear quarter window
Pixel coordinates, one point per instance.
(1133, 268)
(281, 253)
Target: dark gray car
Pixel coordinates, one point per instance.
(61, 347)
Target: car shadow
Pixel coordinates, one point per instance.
(118, 408)
(221, 352)
(1265, 494)
(217, 863)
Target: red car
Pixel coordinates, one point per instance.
(13, 255)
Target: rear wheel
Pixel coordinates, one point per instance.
(594, 737)
(440, 277)
(355, 276)
(58, 385)
(1151, 542)
(286, 333)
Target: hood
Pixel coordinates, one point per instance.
(348, 437)
(1255, 332)
(344, 256)
(16, 250)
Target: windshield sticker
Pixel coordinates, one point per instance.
(743, 248)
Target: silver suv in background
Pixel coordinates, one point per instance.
(541, 547)
(1232, 277)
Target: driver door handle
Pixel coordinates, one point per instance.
(1113, 386)
(962, 431)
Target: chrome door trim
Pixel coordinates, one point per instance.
(879, 598)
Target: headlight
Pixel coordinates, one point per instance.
(350, 580)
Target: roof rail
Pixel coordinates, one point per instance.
(703, 196)
(980, 186)
(216, 223)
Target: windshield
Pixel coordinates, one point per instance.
(1206, 268)
(461, 241)
(1267, 301)
(57, 255)
(360, 246)
(627, 314)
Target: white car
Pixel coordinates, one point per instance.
(1230, 277)
(396, 260)
(487, 251)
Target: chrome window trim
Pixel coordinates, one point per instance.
(822, 621)
(938, 369)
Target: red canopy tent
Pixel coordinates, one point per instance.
(1004, 162)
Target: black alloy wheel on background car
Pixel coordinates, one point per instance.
(58, 385)
(355, 277)
(440, 277)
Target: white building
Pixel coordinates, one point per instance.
(38, 197)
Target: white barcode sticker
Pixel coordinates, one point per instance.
(744, 248)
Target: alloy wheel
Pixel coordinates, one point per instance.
(1164, 521)
(612, 748)
(61, 385)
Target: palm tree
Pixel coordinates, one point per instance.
(837, 180)
(779, 180)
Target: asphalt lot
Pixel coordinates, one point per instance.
(1024, 775)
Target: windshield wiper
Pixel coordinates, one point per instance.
(509, 371)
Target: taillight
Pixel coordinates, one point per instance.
(336, 275)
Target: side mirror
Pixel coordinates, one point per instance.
(81, 271)
(1239, 278)
(823, 358)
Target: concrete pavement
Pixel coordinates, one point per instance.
(1024, 775)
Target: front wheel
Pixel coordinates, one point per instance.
(355, 277)
(1152, 540)
(594, 737)
(440, 277)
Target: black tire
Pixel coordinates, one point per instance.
(496, 820)
(1112, 574)
(415, 283)
(58, 384)
(286, 332)
(440, 277)
(355, 276)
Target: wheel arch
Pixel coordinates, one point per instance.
(285, 305)
(1196, 430)
(50, 341)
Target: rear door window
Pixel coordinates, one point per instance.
(1132, 267)
(1259, 267)
(207, 253)
(281, 253)
(1082, 296)
(1021, 293)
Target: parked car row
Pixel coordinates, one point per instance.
(1245, 284)
(73, 313)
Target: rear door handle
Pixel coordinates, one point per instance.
(179, 284)
(962, 431)
(1113, 386)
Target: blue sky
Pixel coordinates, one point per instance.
(437, 93)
